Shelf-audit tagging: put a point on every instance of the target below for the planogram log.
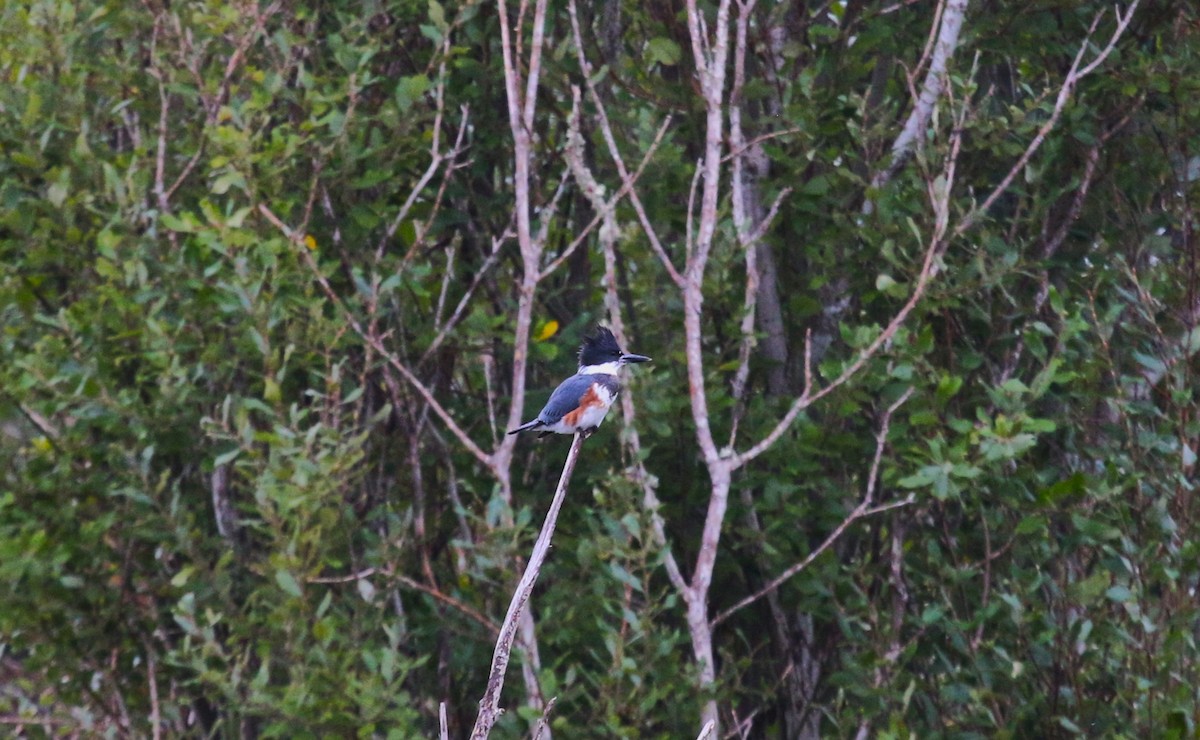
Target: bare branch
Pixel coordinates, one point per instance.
(489, 705)
(863, 509)
(443, 725)
(461, 308)
(1074, 75)
(758, 140)
(697, 35)
(238, 55)
(520, 110)
(625, 189)
(711, 70)
(614, 152)
(689, 239)
(463, 608)
(607, 236)
(439, 309)
(416, 585)
(749, 304)
(535, 62)
(543, 725)
(164, 109)
(939, 193)
(931, 90)
(934, 33)
(376, 343)
(809, 396)
(759, 231)
(155, 711)
(436, 156)
(44, 425)
(749, 221)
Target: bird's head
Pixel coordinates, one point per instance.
(601, 351)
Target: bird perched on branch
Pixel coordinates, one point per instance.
(581, 401)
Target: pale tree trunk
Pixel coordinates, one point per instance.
(750, 168)
(522, 104)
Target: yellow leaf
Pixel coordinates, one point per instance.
(311, 243)
(549, 329)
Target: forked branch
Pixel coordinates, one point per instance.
(864, 509)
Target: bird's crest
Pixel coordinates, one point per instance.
(599, 348)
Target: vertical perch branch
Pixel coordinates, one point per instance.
(489, 705)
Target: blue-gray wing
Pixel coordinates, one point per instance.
(567, 396)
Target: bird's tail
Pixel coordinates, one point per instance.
(527, 426)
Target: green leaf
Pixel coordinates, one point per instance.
(432, 33)
(948, 386)
(1094, 530)
(1150, 362)
(226, 457)
(175, 223)
(223, 183)
(410, 89)
(1120, 594)
(1073, 485)
(1090, 588)
(288, 582)
(1035, 524)
(624, 576)
(660, 50)
(437, 16)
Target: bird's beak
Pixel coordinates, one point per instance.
(628, 357)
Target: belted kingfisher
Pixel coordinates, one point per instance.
(580, 402)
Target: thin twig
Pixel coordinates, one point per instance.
(436, 157)
(446, 599)
(741, 148)
(44, 425)
(864, 509)
(376, 343)
(940, 202)
(543, 725)
(689, 239)
(626, 188)
(614, 152)
(779, 580)
(155, 712)
(1074, 75)
(460, 309)
(745, 210)
(22, 721)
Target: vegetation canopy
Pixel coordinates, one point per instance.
(916, 456)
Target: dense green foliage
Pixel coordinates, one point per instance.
(203, 453)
